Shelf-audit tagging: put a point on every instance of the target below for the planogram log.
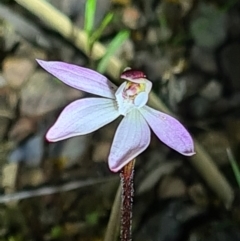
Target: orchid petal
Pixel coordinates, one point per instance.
(169, 131)
(132, 138)
(119, 92)
(82, 117)
(80, 78)
(141, 99)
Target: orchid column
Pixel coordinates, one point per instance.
(132, 136)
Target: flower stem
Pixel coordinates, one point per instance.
(126, 176)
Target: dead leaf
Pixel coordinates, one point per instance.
(154, 176)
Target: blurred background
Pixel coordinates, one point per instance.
(190, 50)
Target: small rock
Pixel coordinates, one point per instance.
(152, 36)
(180, 88)
(26, 50)
(3, 82)
(154, 66)
(152, 177)
(8, 104)
(198, 194)
(169, 13)
(209, 27)
(32, 177)
(17, 71)
(121, 2)
(171, 187)
(9, 37)
(30, 152)
(199, 107)
(230, 62)
(233, 23)
(204, 59)
(9, 177)
(165, 33)
(168, 220)
(212, 91)
(133, 18)
(186, 6)
(41, 95)
(74, 149)
(155, 35)
(22, 129)
(223, 105)
(234, 101)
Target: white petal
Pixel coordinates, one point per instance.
(80, 78)
(82, 117)
(148, 86)
(132, 138)
(141, 99)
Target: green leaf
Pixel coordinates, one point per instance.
(92, 218)
(98, 32)
(111, 49)
(90, 9)
(56, 232)
(234, 165)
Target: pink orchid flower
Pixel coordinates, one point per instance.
(129, 100)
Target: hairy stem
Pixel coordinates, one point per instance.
(126, 175)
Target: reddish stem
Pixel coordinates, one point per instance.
(126, 175)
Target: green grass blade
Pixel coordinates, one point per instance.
(98, 32)
(111, 49)
(90, 9)
(234, 166)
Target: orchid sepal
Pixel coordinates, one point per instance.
(80, 78)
